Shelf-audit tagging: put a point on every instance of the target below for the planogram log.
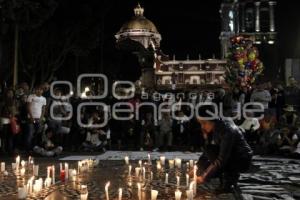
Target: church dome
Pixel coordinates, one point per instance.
(139, 22)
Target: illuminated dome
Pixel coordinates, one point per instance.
(139, 21)
(140, 29)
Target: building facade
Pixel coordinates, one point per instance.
(253, 18)
(170, 73)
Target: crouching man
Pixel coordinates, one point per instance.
(225, 153)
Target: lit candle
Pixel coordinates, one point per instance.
(162, 160)
(195, 172)
(151, 176)
(189, 194)
(66, 171)
(73, 174)
(171, 164)
(78, 167)
(83, 192)
(29, 160)
(22, 171)
(154, 194)
(178, 180)
(22, 163)
(144, 173)
(140, 163)
(13, 166)
(48, 172)
(129, 170)
(29, 185)
(126, 160)
(106, 190)
(158, 166)
(17, 163)
(187, 180)
(139, 191)
(178, 162)
(193, 187)
(2, 166)
(35, 170)
(149, 159)
(62, 175)
(167, 178)
(191, 163)
(47, 182)
(177, 195)
(120, 193)
(53, 174)
(187, 165)
(22, 193)
(60, 167)
(137, 171)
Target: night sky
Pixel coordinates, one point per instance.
(189, 27)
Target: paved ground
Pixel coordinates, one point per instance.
(270, 178)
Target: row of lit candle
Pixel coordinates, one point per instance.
(177, 162)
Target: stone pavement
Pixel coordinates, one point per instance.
(270, 178)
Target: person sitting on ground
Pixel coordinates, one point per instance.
(289, 119)
(48, 147)
(268, 134)
(250, 126)
(96, 138)
(287, 141)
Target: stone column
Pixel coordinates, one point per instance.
(257, 16)
(148, 77)
(271, 12)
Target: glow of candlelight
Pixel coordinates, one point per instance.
(171, 164)
(154, 194)
(167, 178)
(106, 190)
(126, 158)
(22, 163)
(162, 160)
(178, 162)
(120, 193)
(139, 190)
(178, 195)
(187, 180)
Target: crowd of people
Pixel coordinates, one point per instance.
(27, 123)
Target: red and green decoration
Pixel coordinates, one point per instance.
(243, 65)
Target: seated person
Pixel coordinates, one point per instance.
(287, 141)
(289, 119)
(96, 138)
(250, 126)
(47, 146)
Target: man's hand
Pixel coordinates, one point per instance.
(200, 180)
